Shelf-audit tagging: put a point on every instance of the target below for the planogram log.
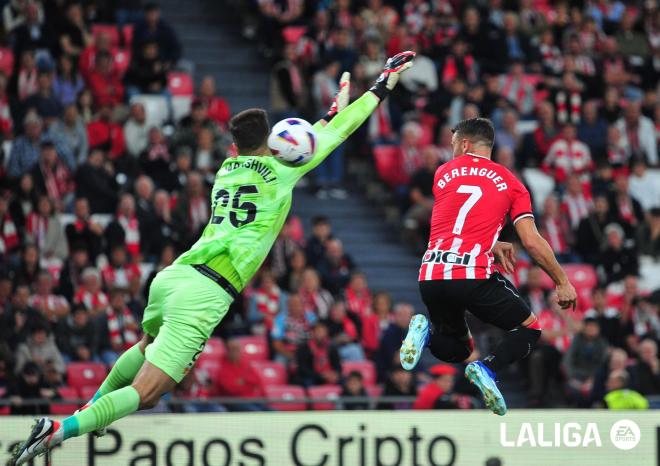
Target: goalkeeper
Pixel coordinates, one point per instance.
(251, 199)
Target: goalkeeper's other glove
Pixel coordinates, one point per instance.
(390, 76)
(340, 102)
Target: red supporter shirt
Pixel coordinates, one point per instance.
(473, 196)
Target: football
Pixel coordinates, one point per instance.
(292, 141)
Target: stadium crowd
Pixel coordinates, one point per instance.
(96, 198)
(573, 91)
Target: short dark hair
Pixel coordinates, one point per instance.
(249, 129)
(320, 220)
(478, 130)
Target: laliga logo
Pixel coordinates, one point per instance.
(624, 434)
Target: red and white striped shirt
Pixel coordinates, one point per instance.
(473, 196)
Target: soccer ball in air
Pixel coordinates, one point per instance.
(292, 141)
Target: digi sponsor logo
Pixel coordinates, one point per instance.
(625, 434)
(446, 257)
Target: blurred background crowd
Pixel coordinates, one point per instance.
(103, 186)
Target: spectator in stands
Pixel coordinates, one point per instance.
(125, 228)
(648, 235)
(296, 266)
(438, 392)
(53, 175)
(315, 298)
(617, 259)
(105, 82)
(43, 228)
(387, 356)
(23, 202)
(593, 130)
(336, 267)
(44, 101)
(645, 375)
(13, 15)
(321, 233)
(191, 125)
(40, 349)
(74, 35)
(18, 318)
(76, 336)
(6, 118)
(29, 266)
(192, 209)
(120, 272)
(508, 135)
(147, 73)
(608, 317)
(357, 295)
(90, 295)
(619, 396)
(266, 302)
(588, 351)
(556, 228)
(567, 155)
(155, 159)
(96, 183)
(420, 192)
(283, 249)
(591, 231)
(317, 359)
(287, 93)
(33, 34)
(353, 387)
(643, 186)
(136, 131)
(533, 292)
(85, 105)
(623, 207)
(343, 333)
(537, 143)
(53, 307)
(119, 326)
(238, 378)
(154, 28)
(399, 383)
(67, 83)
(638, 133)
(290, 329)
(30, 385)
(9, 234)
(218, 108)
(70, 132)
(164, 231)
(207, 157)
(616, 361)
(26, 149)
(105, 133)
(576, 205)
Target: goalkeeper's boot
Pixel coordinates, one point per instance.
(45, 435)
(416, 340)
(484, 379)
(98, 432)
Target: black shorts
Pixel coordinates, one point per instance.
(494, 301)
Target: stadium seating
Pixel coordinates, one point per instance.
(330, 392)
(209, 369)
(4, 410)
(180, 83)
(293, 34)
(6, 61)
(270, 372)
(109, 29)
(286, 392)
(366, 368)
(83, 374)
(374, 390)
(254, 348)
(213, 350)
(88, 392)
(388, 164)
(155, 106)
(127, 33)
(65, 407)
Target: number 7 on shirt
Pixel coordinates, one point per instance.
(475, 194)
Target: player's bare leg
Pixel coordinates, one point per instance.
(516, 345)
(144, 392)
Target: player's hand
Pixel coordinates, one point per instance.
(340, 102)
(503, 253)
(390, 76)
(566, 296)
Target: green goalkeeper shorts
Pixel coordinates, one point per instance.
(183, 309)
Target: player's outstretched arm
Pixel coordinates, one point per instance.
(344, 123)
(541, 252)
(339, 103)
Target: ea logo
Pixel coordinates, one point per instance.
(625, 434)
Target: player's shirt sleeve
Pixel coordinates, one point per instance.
(335, 132)
(521, 201)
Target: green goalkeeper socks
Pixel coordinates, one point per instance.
(122, 373)
(106, 410)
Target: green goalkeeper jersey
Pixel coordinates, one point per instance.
(251, 198)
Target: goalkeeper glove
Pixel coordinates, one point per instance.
(340, 102)
(390, 76)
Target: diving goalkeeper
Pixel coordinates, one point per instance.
(251, 198)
